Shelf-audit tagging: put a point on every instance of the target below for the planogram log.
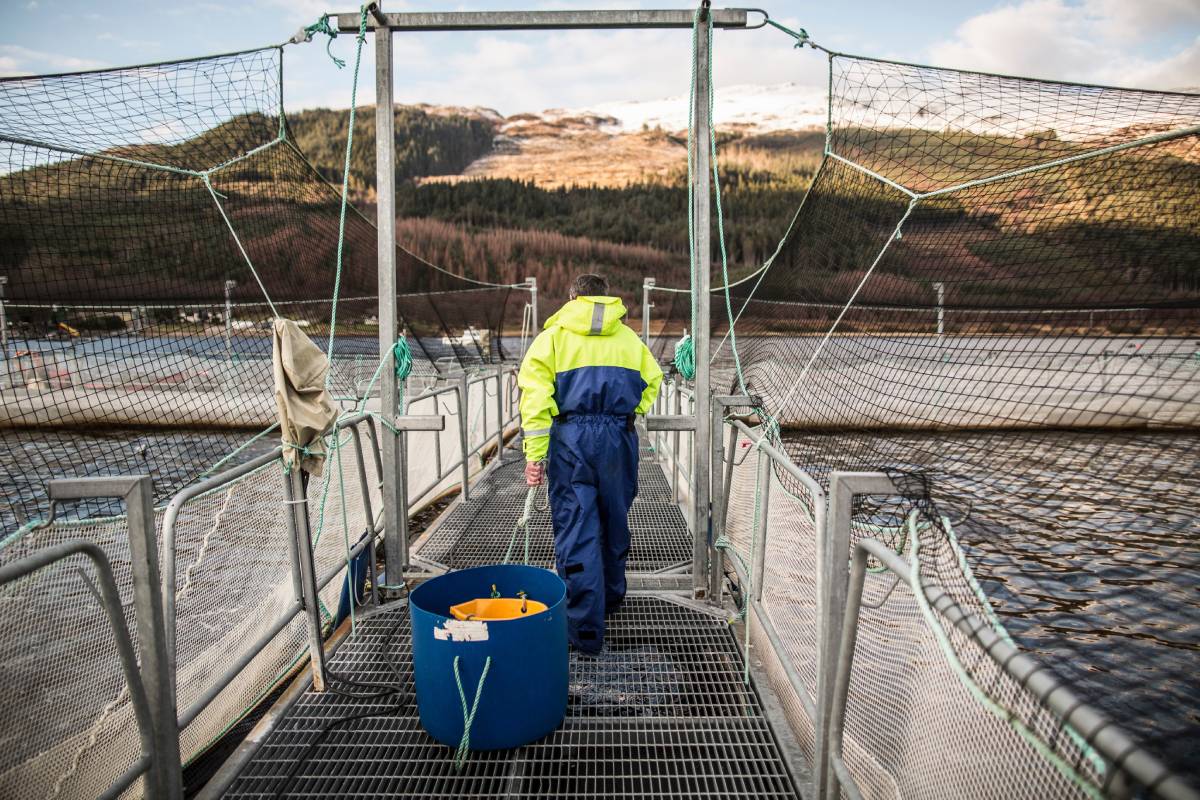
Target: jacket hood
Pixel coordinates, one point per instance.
(589, 316)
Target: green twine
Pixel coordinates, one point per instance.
(322, 26)
(523, 522)
(712, 141)
(464, 745)
(800, 36)
(685, 357)
(402, 356)
(341, 245)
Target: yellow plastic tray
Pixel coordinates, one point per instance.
(496, 609)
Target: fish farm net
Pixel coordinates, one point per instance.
(154, 220)
(991, 293)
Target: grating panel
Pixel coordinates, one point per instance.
(478, 532)
(662, 712)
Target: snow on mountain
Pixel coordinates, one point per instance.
(757, 109)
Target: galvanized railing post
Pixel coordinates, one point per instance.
(500, 371)
(716, 566)
(647, 286)
(395, 470)
(298, 526)
(833, 586)
(676, 410)
(369, 510)
(165, 775)
(464, 395)
(721, 484)
(760, 533)
(109, 598)
(533, 302)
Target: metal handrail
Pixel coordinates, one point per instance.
(375, 528)
(1119, 750)
(113, 609)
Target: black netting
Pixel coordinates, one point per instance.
(1021, 347)
(129, 302)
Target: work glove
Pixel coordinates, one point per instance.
(535, 473)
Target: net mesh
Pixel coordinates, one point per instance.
(69, 730)
(126, 199)
(992, 293)
(233, 573)
(157, 219)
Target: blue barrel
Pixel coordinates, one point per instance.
(525, 694)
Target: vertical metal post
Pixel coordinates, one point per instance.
(647, 285)
(702, 176)
(293, 552)
(533, 302)
(833, 586)
(727, 484)
(298, 523)
(677, 410)
(165, 778)
(463, 390)
(370, 511)
(764, 506)
(395, 508)
(940, 288)
(716, 559)
(500, 370)
(166, 772)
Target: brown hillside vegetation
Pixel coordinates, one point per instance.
(509, 256)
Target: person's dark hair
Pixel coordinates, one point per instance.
(589, 285)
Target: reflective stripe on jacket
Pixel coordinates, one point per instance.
(586, 361)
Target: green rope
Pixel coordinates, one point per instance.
(322, 26)
(685, 357)
(801, 36)
(464, 745)
(341, 245)
(225, 460)
(523, 523)
(336, 442)
(712, 136)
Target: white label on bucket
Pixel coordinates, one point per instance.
(462, 630)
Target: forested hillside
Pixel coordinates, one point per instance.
(428, 142)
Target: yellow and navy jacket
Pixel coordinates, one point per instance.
(586, 361)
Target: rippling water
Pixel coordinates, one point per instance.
(1088, 544)
(172, 458)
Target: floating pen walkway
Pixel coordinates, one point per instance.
(661, 712)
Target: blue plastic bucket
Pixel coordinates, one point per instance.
(524, 696)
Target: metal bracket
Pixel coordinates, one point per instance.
(666, 422)
(543, 20)
(420, 422)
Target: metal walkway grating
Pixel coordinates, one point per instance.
(662, 712)
(478, 531)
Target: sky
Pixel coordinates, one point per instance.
(1140, 43)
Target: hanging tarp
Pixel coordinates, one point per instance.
(306, 411)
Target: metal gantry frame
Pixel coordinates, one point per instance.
(383, 26)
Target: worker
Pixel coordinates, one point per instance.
(583, 381)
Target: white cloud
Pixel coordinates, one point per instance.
(1092, 41)
(18, 60)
